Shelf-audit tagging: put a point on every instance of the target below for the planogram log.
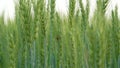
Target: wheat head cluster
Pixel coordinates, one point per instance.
(47, 40)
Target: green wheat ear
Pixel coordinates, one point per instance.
(12, 45)
(71, 11)
(25, 20)
(115, 38)
(72, 45)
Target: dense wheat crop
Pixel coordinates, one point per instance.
(42, 39)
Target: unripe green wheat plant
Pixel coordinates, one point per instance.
(39, 37)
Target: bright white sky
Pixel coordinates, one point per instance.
(8, 7)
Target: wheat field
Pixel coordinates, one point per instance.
(44, 39)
